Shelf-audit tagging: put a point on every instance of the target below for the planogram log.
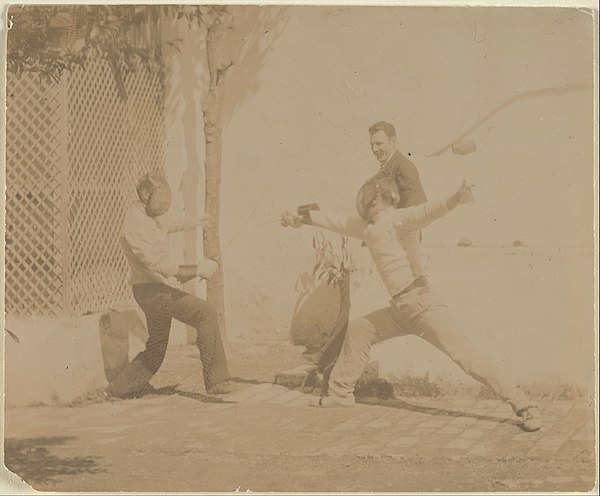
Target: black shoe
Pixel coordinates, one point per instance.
(531, 420)
(132, 382)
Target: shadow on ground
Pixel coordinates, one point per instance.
(174, 390)
(204, 398)
(442, 412)
(99, 395)
(32, 460)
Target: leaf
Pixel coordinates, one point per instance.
(316, 268)
(12, 335)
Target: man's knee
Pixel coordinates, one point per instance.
(360, 333)
(205, 314)
(360, 327)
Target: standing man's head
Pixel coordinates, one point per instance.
(155, 194)
(383, 140)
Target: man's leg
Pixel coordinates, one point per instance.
(155, 300)
(202, 315)
(437, 326)
(361, 334)
(134, 378)
(159, 328)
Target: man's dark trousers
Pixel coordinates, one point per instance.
(160, 304)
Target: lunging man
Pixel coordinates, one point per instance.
(414, 308)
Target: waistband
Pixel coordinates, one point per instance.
(419, 282)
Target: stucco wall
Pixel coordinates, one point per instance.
(433, 72)
(57, 360)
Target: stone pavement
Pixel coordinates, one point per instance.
(270, 419)
(263, 419)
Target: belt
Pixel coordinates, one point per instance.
(419, 282)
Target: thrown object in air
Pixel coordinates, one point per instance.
(463, 147)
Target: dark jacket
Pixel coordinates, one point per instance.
(407, 178)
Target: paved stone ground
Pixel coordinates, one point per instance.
(166, 441)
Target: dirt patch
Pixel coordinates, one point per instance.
(288, 473)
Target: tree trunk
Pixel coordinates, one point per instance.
(191, 176)
(212, 110)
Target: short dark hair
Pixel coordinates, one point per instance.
(386, 127)
(149, 182)
(385, 187)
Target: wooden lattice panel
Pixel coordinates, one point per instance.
(74, 152)
(112, 142)
(34, 255)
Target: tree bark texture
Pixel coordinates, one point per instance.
(212, 111)
(191, 176)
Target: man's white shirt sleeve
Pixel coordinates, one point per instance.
(149, 243)
(345, 225)
(419, 216)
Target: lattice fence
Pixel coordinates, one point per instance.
(74, 152)
(34, 248)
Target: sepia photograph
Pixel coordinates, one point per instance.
(300, 248)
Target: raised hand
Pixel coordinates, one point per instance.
(464, 194)
(290, 217)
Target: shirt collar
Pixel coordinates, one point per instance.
(388, 159)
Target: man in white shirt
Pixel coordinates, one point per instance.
(144, 240)
(414, 308)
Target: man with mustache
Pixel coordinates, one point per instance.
(395, 165)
